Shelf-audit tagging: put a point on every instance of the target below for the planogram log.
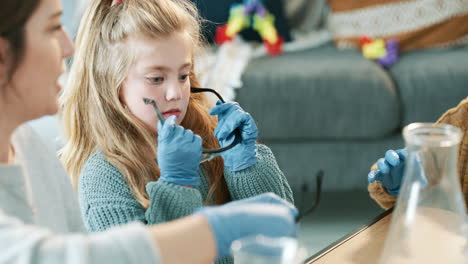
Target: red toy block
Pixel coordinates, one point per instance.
(274, 48)
(221, 36)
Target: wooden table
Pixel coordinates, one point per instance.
(362, 246)
(366, 244)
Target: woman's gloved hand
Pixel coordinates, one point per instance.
(179, 154)
(390, 170)
(230, 117)
(265, 214)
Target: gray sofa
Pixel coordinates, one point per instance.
(334, 110)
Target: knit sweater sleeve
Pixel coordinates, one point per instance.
(106, 199)
(264, 176)
(170, 201)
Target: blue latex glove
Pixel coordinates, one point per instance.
(265, 214)
(230, 117)
(390, 170)
(179, 154)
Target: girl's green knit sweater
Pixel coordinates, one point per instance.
(106, 199)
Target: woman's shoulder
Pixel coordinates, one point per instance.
(25, 131)
(26, 137)
(34, 154)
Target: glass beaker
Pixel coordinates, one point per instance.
(267, 250)
(429, 220)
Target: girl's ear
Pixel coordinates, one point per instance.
(5, 58)
(121, 97)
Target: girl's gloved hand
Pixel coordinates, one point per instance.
(390, 172)
(179, 154)
(265, 214)
(230, 117)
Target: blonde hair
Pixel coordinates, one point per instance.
(92, 114)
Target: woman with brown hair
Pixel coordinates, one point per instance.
(39, 217)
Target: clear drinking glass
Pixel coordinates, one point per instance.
(429, 221)
(267, 250)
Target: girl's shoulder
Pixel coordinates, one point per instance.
(97, 161)
(264, 151)
(102, 183)
(99, 171)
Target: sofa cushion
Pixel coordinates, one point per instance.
(321, 93)
(430, 82)
(345, 163)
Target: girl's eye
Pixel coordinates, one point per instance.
(156, 80)
(183, 77)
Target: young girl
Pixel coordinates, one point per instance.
(39, 216)
(130, 50)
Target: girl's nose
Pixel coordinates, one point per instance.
(174, 92)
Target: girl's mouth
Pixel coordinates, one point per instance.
(171, 112)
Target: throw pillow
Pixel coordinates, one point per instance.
(415, 24)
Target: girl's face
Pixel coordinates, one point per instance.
(160, 72)
(33, 85)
